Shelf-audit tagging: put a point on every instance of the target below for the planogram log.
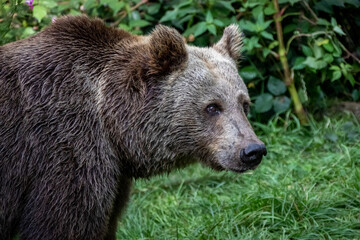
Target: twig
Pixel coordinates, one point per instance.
(289, 14)
(349, 53)
(304, 35)
(275, 54)
(139, 4)
(307, 19)
(123, 13)
(310, 10)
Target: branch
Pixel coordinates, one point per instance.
(139, 4)
(349, 53)
(288, 75)
(123, 13)
(310, 10)
(307, 19)
(304, 35)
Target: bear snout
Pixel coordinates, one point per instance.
(252, 154)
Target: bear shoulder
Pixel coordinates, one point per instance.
(85, 30)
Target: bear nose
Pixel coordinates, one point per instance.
(253, 154)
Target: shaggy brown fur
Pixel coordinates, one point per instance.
(84, 109)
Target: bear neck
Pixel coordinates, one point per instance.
(139, 123)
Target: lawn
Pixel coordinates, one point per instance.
(307, 187)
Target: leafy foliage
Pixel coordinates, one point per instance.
(321, 38)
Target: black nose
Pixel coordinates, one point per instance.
(253, 153)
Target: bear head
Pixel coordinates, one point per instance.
(202, 102)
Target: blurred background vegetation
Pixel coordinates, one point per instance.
(299, 56)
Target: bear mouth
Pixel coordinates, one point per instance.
(238, 170)
(245, 167)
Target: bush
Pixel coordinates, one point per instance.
(319, 58)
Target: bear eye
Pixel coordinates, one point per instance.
(246, 107)
(213, 109)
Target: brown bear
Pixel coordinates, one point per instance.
(85, 109)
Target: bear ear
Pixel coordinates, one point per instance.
(167, 51)
(230, 43)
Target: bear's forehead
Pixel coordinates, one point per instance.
(215, 68)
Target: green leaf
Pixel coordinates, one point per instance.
(292, 2)
(355, 3)
(336, 3)
(336, 75)
(335, 68)
(138, 23)
(124, 27)
(66, 7)
(273, 44)
(276, 86)
(333, 22)
(90, 4)
(186, 12)
(322, 21)
(105, 2)
(328, 58)
(252, 3)
(252, 43)
(257, 10)
(331, 136)
(322, 41)
(248, 72)
(184, 3)
(211, 28)
(306, 50)
(266, 52)
(169, 15)
(48, 3)
(219, 23)
(153, 8)
(338, 30)
(315, 63)
(227, 5)
(290, 28)
(116, 6)
(337, 50)
(267, 35)
(39, 12)
(328, 47)
(355, 94)
(199, 28)
(135, 15)
(299, 63)
(281, 104)
(260, 24)
(303, 95)
(264, 103)
(209, 17)
(324, 7)
(350, 78)
(74, 12)
(28, 31)
(318, 51)
(270, 10)
(247, 25)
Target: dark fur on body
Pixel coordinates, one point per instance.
(61, 170)
(84, 109)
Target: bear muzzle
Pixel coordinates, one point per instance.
(252, 154)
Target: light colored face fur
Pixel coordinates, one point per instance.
(212, 102)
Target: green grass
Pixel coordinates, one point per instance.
(308, 187)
